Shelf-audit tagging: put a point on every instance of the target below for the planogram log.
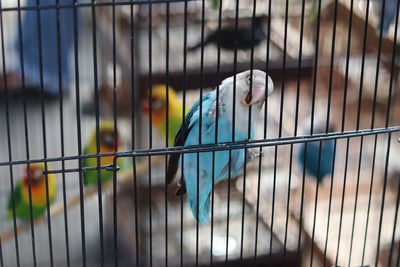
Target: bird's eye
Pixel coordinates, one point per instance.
(157, 104)
(249, 78)
(37, 174)
(108, 138)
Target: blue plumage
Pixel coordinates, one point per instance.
(312, 158)
(189, 132)
(205, 158)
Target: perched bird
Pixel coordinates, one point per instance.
(38, 192)
(188, 135)
(389, 14)
(227, 37)
(107, 145)
(324, 168)
(159, 111)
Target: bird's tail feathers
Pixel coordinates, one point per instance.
(204, 209)
(172, 167)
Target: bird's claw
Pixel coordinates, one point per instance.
(254, 155)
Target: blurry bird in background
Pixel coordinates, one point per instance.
(317, 167)
(107, 145)
(227, 37)
(159, 111)
(38, 193)
(188, 135)
(388, 15)
(215, 4)
(314, 10)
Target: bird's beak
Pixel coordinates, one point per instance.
(257, 94)
(145, 107)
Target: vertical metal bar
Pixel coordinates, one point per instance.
(383, 194)
(326, 127)
(315, 204)
(60, 85)
(183, 118)
(378, 61)
(283, 70)
(328, 109)
(301, 206)
(356, 198)
(330, 201)
(233, 126)
(315, 67)
(386, 125)
(97, 112)
(150, 130)
(369, 200)
(200, 127)
(166, 129)
(347, 65)
(9, 146)
(264, 136)
(273, 206)
(26, 131)
(342, 201)
(44, 129)
(132, 44)
(295, 127)
(362, 69)
(394, 227)
(115, 221)
(280, 128)
(312, 123)
(249, 126)
(216, 130)
(393, 66)
(79, 133)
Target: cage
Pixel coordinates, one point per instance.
(93, 95)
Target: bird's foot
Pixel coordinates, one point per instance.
(253, 155)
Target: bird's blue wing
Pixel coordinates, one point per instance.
(191, 119)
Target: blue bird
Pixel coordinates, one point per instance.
(189, 132)
(312, 154)
(389, 14)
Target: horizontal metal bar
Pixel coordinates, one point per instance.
(108, 167)
(220, 146)
(17, 162)
(256, 143)
(96, 4)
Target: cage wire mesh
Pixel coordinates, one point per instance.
(93, 94)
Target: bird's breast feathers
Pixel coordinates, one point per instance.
(39, 198)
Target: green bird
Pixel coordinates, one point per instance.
(159, 111)
(38, 193)
(107, 145)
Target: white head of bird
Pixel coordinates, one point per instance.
(261, 87)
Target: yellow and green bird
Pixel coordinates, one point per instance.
(38, 192)
(107, 145)
(159, 111)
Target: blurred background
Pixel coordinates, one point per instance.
(332, 66)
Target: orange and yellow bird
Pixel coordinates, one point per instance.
(107, 145)
(159, 110)
(38, 192)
